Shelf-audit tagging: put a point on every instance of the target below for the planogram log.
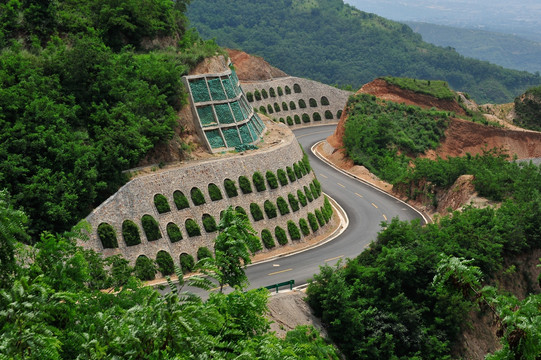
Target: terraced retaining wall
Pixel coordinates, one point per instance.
(328, 100)
(136, 199)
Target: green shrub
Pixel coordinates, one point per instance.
(257, 95)
(303, 224)
(271, 179)
(256, 212)
(293, 230)
(254, 244)
(187, 263)
(250, 96)
(197, 196)
(326, 215)
(282, 206)
(107, 236)
(269, 109)
(230, 188)
(292, 105)
(316, 116)
(313, 190)
(305, 118)
(245, 185)
(306, 162)
(339, 114)
(282, 120)
(270, 209)
(130, 233)
(298, 171)
(214, 192)
(317, 185)
(289, 121)
(165, 263)
(328, 115)
(293, 202)
(288, 90)
(204, 253)
(312, 102)
(291, 174)
(181, 202)
(327, 206)
(241, 210)
(280, 91)
(324, 101)
(308, 194)
(302, 104)
(280, 235)
(312, 220)
(209, 223)
(192, 228)
(303, 168)
(267, 239)
(302, 198)
(320, 218)
(259, 181)
(296, 88)
(276, 107)
(297, 119)
(284, 106)
(145, 269)
(263, 110)
(161, 203)
(173, 232)
(282, 177)
(151, 228)
(272, 93)
(264, 94)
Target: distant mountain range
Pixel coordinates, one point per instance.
(519, 17)
(509, 51)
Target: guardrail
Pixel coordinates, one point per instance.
(276, 286)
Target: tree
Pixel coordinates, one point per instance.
(11, 229)
(231, 254)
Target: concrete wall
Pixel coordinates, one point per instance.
(309, 89)
(136, 199)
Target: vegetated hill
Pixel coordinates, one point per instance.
(86, 90)
(506, 50)
(528, 109)
(328, 41)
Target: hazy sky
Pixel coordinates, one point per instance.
(510, 16)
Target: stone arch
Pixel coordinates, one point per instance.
(302, 104)
(214, 192)
(297, 88)
(288, 90)
(181, 201)
(144, 268)
(292, 105)
(165, 263)
(209, 223)
(130, 233)
(305, 118)
(339, 114)
(324, 101)
(192, 228)
(107, 236)
(230, 188)
(316, 116)
(187, 262)
(161, 204)
(173, 232)
(328, 115)
(312, 102)
(197, 196)
(151, 228)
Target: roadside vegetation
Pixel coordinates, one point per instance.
(436, 88)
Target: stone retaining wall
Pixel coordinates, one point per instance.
(309, 89)
(136, 199)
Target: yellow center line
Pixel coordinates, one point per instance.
(341, 185)
(374, 205)
(326, 177)
(279, 272)
(334, 258)
(385, 217)
(359, 195)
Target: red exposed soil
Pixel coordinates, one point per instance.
(253, 68)
(462, 136)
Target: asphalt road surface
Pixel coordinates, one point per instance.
(365, 206)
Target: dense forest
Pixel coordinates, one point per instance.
(86, 90)
(328, 41)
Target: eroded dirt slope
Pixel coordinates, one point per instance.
(253, 68)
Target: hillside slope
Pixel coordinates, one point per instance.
(328, 41)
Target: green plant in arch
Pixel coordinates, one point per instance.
(130, 233)
(107, 236)
(161, 203)
(151, 228)
(173, 232)
(197, 196)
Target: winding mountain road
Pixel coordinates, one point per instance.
(366, 208)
